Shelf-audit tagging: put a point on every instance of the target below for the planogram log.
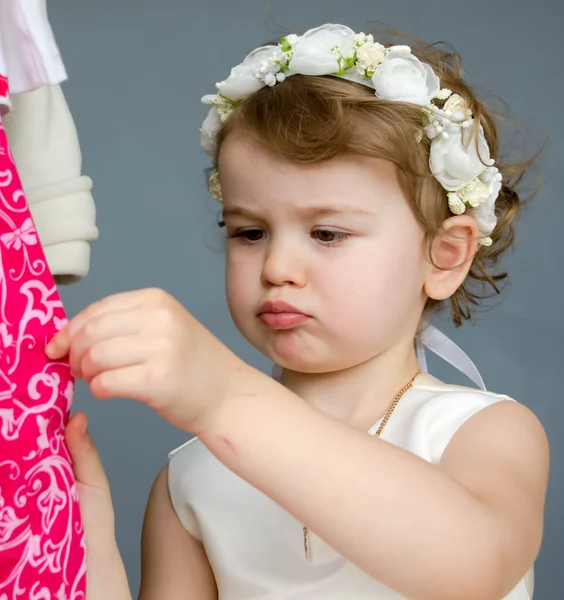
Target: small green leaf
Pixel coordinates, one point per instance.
(285, 45)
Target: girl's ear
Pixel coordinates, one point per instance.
(452, 252)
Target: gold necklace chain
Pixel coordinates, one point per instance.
(386, 418)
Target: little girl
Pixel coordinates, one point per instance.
(362, 189)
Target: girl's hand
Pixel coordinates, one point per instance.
(105, 576)
(145, 345)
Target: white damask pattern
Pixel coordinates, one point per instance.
(42, 546)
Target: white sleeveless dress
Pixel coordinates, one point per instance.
(255, 547)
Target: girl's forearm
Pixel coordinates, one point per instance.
(401, 519)
(107, 578)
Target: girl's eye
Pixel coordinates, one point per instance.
(329, 237)
(250, 235)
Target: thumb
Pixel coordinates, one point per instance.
(86, 462)
(94, 496)
(106, 576)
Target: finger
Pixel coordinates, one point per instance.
(59, 346)
(105, 326)
(86, 462)
(94, 497)
(130, 382)
(115, 353)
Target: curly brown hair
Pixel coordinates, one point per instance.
(312, 119)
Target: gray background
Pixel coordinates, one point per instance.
(137, 72)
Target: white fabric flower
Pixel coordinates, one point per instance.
(403, 77)
(459, 108)
(475, 193)
(214, 186)
(246, 79)
(209, 130)
(454, 160)
(240, 84)
(443, 94)
(313, 52)
(485, 212)
(369, 56)
(362, 38)
(455, 204)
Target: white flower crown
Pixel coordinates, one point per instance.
(461, 164)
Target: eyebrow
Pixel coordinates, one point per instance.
(307, 212)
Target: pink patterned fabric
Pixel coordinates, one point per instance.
(4, 91)
(42, 547)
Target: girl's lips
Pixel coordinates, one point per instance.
(281, 315)
(278, 306)
(283, 320)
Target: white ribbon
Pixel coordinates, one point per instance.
(437, 342)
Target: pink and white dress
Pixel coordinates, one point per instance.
(42, 545)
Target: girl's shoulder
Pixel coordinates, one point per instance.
(428, 387)
(432, 411)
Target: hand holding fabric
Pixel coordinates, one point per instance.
(146, 346)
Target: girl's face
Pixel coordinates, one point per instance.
(336, 241)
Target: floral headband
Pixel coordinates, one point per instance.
(461, 164)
